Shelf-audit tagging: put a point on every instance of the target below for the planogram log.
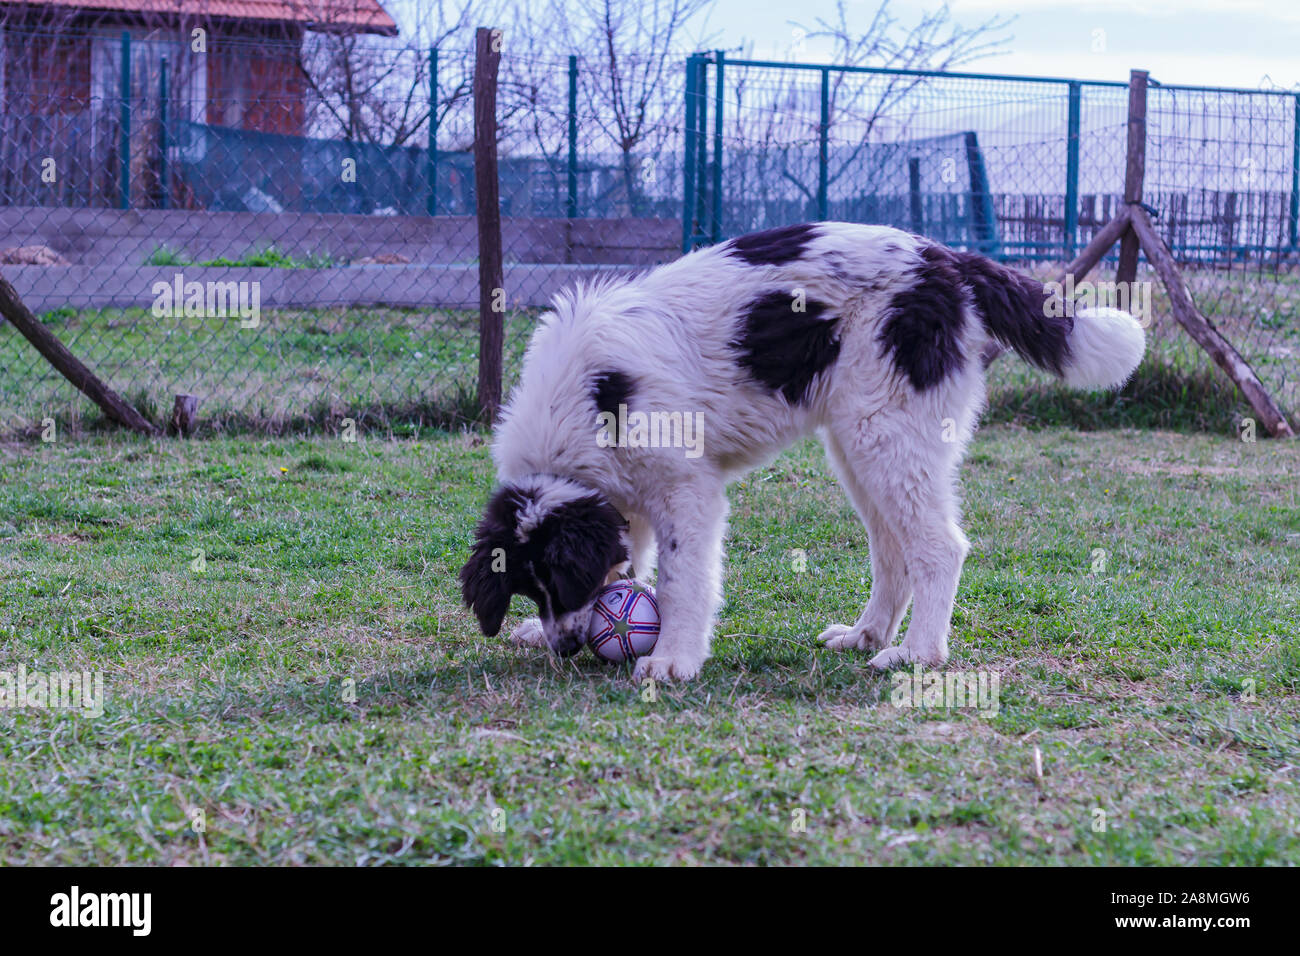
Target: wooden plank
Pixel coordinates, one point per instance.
(1134, 169)
(421, 286)
(1204, 333)
(126, 238)
(1228, 225)
(68, 365)
(487, 60)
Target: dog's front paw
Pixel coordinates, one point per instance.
(842, 637)
(529, 633)
(665, 668)
(900, 655)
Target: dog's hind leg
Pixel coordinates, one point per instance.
(912, 483)
(908, 461)
(890, 592)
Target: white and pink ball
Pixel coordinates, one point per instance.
(624, 622)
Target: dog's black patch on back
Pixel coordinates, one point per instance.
(923, 330)
(1014, 309)
(785, 348)
(774, 247)
(610, 389)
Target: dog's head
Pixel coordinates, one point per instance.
(551, 540)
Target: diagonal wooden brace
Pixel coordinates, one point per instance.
(1202, 330)
(68, 365)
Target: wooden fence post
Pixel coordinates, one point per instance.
(184, 411)
(487, 195)
(1134, 170)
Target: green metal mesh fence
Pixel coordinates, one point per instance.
(1221, 177)
(1026, 170)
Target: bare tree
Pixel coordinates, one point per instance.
(632, 54)
(532, 98)
(934, 43)
(369, 89)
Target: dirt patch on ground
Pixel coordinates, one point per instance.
(1187, 469)
(63, 539)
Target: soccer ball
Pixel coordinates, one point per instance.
(624, 623)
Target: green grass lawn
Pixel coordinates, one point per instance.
(299, 369)
(317, 692)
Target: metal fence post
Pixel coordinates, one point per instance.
(983, 217)
(432, 206)
(1295, 177)
(124, 148)
(702, 160)
(572, 204)
(165, 201)
(914, 194)
(1072, 171)
(823, 146)
(716, 233)
(688, 159)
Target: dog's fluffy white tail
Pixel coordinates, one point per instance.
(1088, 348)
(1106, 346)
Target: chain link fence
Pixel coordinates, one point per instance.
(239, 226)
(287, 230)
(999, 164)
(1222, 176)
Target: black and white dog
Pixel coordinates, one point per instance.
(866, 334)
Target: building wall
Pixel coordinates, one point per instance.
(46, 75)
(61, 97)
(256, 83)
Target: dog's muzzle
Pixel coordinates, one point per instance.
(566, 644)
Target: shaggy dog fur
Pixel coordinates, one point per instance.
(865, 334)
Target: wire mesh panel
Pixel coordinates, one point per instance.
(590, 171)
(293, 238)
(284, 226)
(236, 223)
(1221, 177)
(993, 164)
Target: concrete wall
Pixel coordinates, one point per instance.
(44, 288)
(126, 238)
(108, 249)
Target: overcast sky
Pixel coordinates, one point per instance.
(1203, 42)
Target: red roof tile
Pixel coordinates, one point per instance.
(365, 16)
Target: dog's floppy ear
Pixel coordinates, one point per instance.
(586, 543)
(485, 578)
(486, 591)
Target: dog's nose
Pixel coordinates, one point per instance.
(566, 645)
